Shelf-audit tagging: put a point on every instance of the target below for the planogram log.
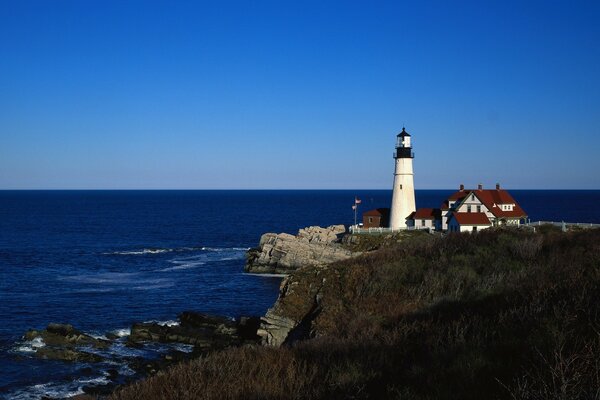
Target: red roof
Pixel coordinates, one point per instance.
(456, 196)
(491, 198)
(426, 213)
(377, 212)
(471, 218)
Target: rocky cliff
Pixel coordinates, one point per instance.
(283, 253)
(299, 302)
(302, 293)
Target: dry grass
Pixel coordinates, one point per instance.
(498, 315)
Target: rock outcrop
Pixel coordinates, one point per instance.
(63, 342)
(201, 330)
(283, 253)
(298, 304)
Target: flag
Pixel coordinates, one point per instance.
(357, 200)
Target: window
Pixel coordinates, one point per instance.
(468, 208)
(474, 229)
(478, 209)
(472, 197)
(370, 219)
(400, 187)
(422, 222)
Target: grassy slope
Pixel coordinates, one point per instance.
(500, 314)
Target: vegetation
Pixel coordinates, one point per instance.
(502, 314)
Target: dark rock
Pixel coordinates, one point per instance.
(64, 335)
(113, 374)
(62, 342)
(200, 330)
(99, 390)
(62, 354)
(248, 328)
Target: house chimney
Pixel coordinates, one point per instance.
(462, 187)
(480, 187)
(497, 186)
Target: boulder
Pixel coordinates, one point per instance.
(65, 335)
(201, 330)
(62, 342)
(283, 253)
(67, 354)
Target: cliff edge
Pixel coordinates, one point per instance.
(283, 253)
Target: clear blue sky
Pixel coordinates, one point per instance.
(307, 94)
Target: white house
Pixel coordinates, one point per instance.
(497, 204)
(468, 222)
(425, 218)
(470, 210)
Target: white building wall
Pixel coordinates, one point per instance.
(429, 224)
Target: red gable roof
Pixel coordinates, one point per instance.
(426, 213)
(456, 197)
(491, 198)
(471, 218)
(377, 212)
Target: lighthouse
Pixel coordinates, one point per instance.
(403, 197)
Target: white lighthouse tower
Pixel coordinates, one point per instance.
(403, 197)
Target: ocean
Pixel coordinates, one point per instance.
(102, 260)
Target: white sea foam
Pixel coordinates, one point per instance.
(104, 277)
(266, 275)
(98, 336)
(189, 265)
(168, 323)
(118, 281)
(101, 380)
(184, 348)
(31, 346)
(140, 252)
(50, 389)
(122, 332)
(225, 248)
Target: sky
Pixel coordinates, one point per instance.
(298, 94)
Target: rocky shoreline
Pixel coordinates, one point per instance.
(203, 332)
(276, 254)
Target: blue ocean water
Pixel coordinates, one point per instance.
(102, 260)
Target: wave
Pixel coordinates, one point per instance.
(59, 390)
(122, 332)
(210, 254)
(184, 348)
(104, 277)
(266, 275)
(115, 278)
(140, 252)
(168, 323)
(182, 266)
(217, 249)
(31, 346)
(157, 250)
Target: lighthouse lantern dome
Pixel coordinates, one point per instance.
(403, 139)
